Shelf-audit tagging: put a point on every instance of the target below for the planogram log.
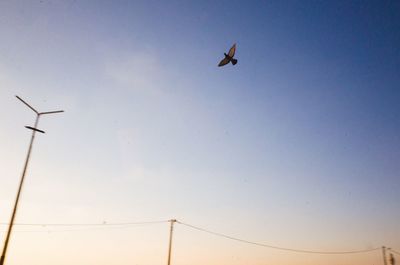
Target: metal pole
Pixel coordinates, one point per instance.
(384, 255)
(10, 226)
(34, 130)
(172, 221)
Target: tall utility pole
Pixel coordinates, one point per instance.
(171, 230)
(34, 130)
(384, 255)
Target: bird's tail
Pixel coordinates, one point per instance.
(234, 61)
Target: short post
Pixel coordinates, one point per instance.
(384, 255)
(171, 230)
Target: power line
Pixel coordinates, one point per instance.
(123, 225)
(76, 229)
(277, 247)
(86, 224)
(394, 251)
(80, 226)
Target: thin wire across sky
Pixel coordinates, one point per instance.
(125, 225)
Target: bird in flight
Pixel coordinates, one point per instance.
(229, 57)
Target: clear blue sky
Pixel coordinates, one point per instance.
(297, 145)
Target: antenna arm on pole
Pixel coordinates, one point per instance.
(29, 106)
(50, 112)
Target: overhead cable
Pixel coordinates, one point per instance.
(85, 224)
(277, 247)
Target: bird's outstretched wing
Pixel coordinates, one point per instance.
(223, 62)
(232, 50)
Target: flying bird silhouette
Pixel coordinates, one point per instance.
(229, 57)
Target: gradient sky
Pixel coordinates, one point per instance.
(297, 145)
